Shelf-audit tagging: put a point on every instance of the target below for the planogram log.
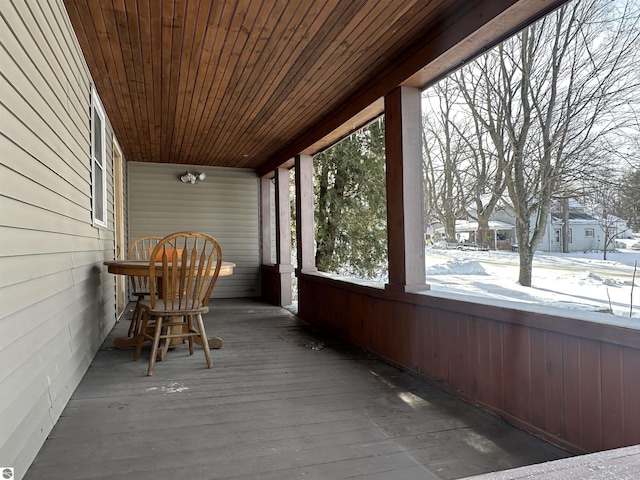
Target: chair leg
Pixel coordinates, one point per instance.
(205, 342)
(154, 347)
(144, 320)
(134, 326)
(190, 330)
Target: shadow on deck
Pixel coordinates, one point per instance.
(282, 401)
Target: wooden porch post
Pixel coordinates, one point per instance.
(405, 196)
(283, 235)
(265, 221)
(304, 213)
(276, 279)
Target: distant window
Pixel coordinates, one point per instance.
(98, 155)
(589, 232)
(570, 235)
(558, 235)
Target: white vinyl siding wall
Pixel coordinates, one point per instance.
(56, 299)
(224, 205)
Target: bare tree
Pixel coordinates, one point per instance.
(444, 158)
(551, 99)
(487, 149)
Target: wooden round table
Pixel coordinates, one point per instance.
(141, 268)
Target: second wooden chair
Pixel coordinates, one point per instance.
(140, 249)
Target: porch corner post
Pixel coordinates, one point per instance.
(304, 214)
(283, 235)
(405, 194)
(265, 221)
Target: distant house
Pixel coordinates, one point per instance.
(501, 234)
(586, 232)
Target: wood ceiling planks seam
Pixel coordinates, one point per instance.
(205, 73)
(131, 72)
(243, 42)
(274, 75)
(225, 64)
(187, 86)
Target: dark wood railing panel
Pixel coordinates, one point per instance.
(631, 399)
(612, 396)
(270, 285)
(275, 283)
(590, 376)
(554, 384)
(548, 374)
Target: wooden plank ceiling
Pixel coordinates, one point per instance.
(250, 83)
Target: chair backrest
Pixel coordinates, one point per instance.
(140, 249)
(190, 267)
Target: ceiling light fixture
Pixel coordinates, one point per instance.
(191, 178)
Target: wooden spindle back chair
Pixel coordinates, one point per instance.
(190, 268)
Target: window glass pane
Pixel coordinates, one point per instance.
(98, 159)
(97, 136)
(351, 205)
(98, 194)
(486, 129)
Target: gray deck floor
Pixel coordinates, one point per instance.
(282, 401)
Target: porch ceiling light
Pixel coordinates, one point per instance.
(191, 178)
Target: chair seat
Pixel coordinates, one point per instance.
(162, 309)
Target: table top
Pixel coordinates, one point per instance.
(141, 267)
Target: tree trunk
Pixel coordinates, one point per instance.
(484, 233)
(450, 229)
(525, 252)
(526, 264)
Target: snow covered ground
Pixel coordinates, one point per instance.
(580, 281)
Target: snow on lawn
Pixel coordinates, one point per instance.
(582, 281)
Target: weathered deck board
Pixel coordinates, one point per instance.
(271, 408)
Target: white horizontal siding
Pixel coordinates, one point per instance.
(224, 205)
(56, 299)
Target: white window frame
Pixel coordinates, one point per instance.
(558, 235)
(99, 218)
(588, 231)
